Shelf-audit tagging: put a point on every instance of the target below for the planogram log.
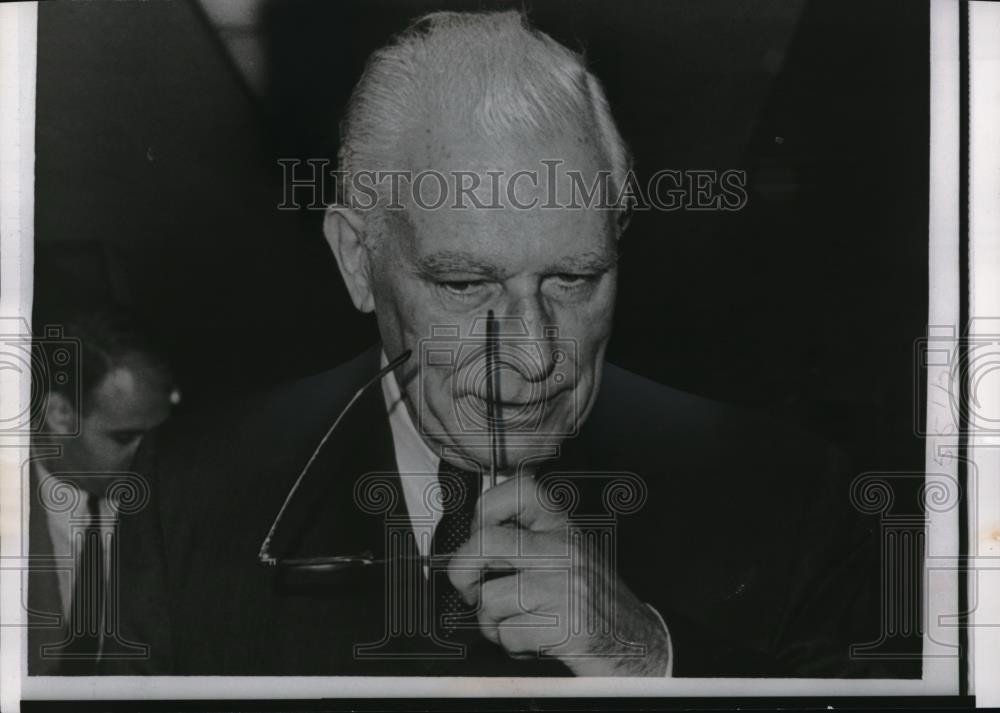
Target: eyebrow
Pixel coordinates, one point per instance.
(595, 261)
(446, 261)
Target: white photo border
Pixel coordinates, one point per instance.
(942, 668)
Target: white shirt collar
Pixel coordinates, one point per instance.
(58, 523)
(413, 455)
(416, 463)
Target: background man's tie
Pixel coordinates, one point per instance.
(87, 611)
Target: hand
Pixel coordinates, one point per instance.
(552, 595)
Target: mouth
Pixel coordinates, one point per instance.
(520, 405)
(514, 404)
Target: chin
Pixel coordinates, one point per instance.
(527, 454)
(513, 455)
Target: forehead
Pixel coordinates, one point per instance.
(509, 172)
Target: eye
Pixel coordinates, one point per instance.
(462, 288)
(569, 280)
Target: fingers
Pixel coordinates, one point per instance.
(487, 549)
(509, 501)
(515, 611)
(523, 636)
(504, 547)
(500, 599)
(521, 501)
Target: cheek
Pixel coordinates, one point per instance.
(89, 451)
(109, 448)
(438, 387)
(401, 307)
(589, 328)
(604, 307)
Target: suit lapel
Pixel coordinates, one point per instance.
(336, 508)
(46, 624)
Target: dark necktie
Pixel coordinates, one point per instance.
(87, 611)
(461, 490)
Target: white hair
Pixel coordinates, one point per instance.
(489, 70)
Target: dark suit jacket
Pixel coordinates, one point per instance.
(745, 544)
(46, 624)
(52, 650)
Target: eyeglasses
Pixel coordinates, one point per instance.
(359, 562)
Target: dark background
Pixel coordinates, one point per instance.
(157, 184)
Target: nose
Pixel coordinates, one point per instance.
(525, 318)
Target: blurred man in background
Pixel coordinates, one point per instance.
(92, 418)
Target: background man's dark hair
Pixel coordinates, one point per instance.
(104, 338)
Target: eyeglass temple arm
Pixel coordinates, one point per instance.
(265, 555)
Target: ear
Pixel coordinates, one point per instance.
(60, 416)
(344, 230)
(623, 219)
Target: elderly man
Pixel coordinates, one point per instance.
(480, 493)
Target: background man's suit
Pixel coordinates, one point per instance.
(746, 544)
(64, 624)
(46, 623)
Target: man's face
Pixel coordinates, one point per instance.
(132, 399)
(549, 276)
